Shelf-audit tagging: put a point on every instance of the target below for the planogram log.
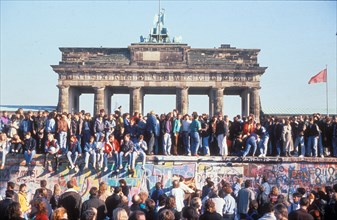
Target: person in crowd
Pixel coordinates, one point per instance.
(54, 200)
(267, 212)
(5, 203)
(100, 151)
(60, 214)
(99, 126)
(176, 132)
(252, 140)
(334, 136)
(23, 200)
(229, 207)
(167, 139)
(51, 150)
(76, 127)
(301, 214)
(109, 126)
(90, 150)
(135, 206)
(50, 124)
(312, 132)
(281, 212)
(264, 138)
(29, 148)
(120, 214)
(137, 215)
(178, 194)
(150, 210)
(111, 149)
(4, 122)
(126, 150)
(195, 128)
(11, 186)
(210, 212)
(16, 145)
(74, 151)
(205, 135)
(113, 201)
(245, 197)
(273, 195)
(103, 192)
(14, 212)
(287, 138)
(41, 210)
(4, 148)
(26, 124)
(71, 200)
(207, 188)
(185, 129)
(43, 185)
(262, 197)
(295, 204)
(125, 187)
(62, 130)
(221, 135)
(157, 192)
(95, 202)
(89, 214)
(139, 151)
(151, 122)
(170, 204)
(298, 128)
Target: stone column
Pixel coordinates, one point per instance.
(136, 100)
(98, 99)
(255, 105)
(216, 101)
(245, 100)
(74, 99)
(63, 103)
(107, 101)
(182, 100)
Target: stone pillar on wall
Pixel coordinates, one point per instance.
(245, 102)
(63, 103)
(136, 100)
(255, 103)
(74, 99)
(107, 101)
(99, 99)
(216, 101)
(182, 100)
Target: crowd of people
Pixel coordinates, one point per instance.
(223, 201)
(127, 137)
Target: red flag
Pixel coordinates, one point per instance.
(320, 77)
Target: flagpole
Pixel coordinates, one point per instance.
(326, 92)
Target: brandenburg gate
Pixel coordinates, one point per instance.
(159, 68)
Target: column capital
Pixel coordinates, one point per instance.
(96, 88)
(62, 86)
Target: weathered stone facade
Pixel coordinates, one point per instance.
(146, 68)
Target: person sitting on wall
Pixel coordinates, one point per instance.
(29, 148)
(51, 149)
(139, 151)
(90, 150)
(74, 151)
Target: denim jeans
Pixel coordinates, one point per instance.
(334, 146)
(63, 141)
(98, 135)
(205, 145)
(167, 143)
(29, 157)
(135, 156)
(70, 157)
(121, 157)
(300, 141)
(87, 155)
(251, 141)
(279, 148)
(186, 142)
(263, 145)
(312, 146)
(194, 142)
(3, 156)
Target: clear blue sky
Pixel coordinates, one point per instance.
(297, 40)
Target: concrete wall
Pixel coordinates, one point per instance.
(286, 175)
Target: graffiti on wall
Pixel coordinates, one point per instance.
(287, 176)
